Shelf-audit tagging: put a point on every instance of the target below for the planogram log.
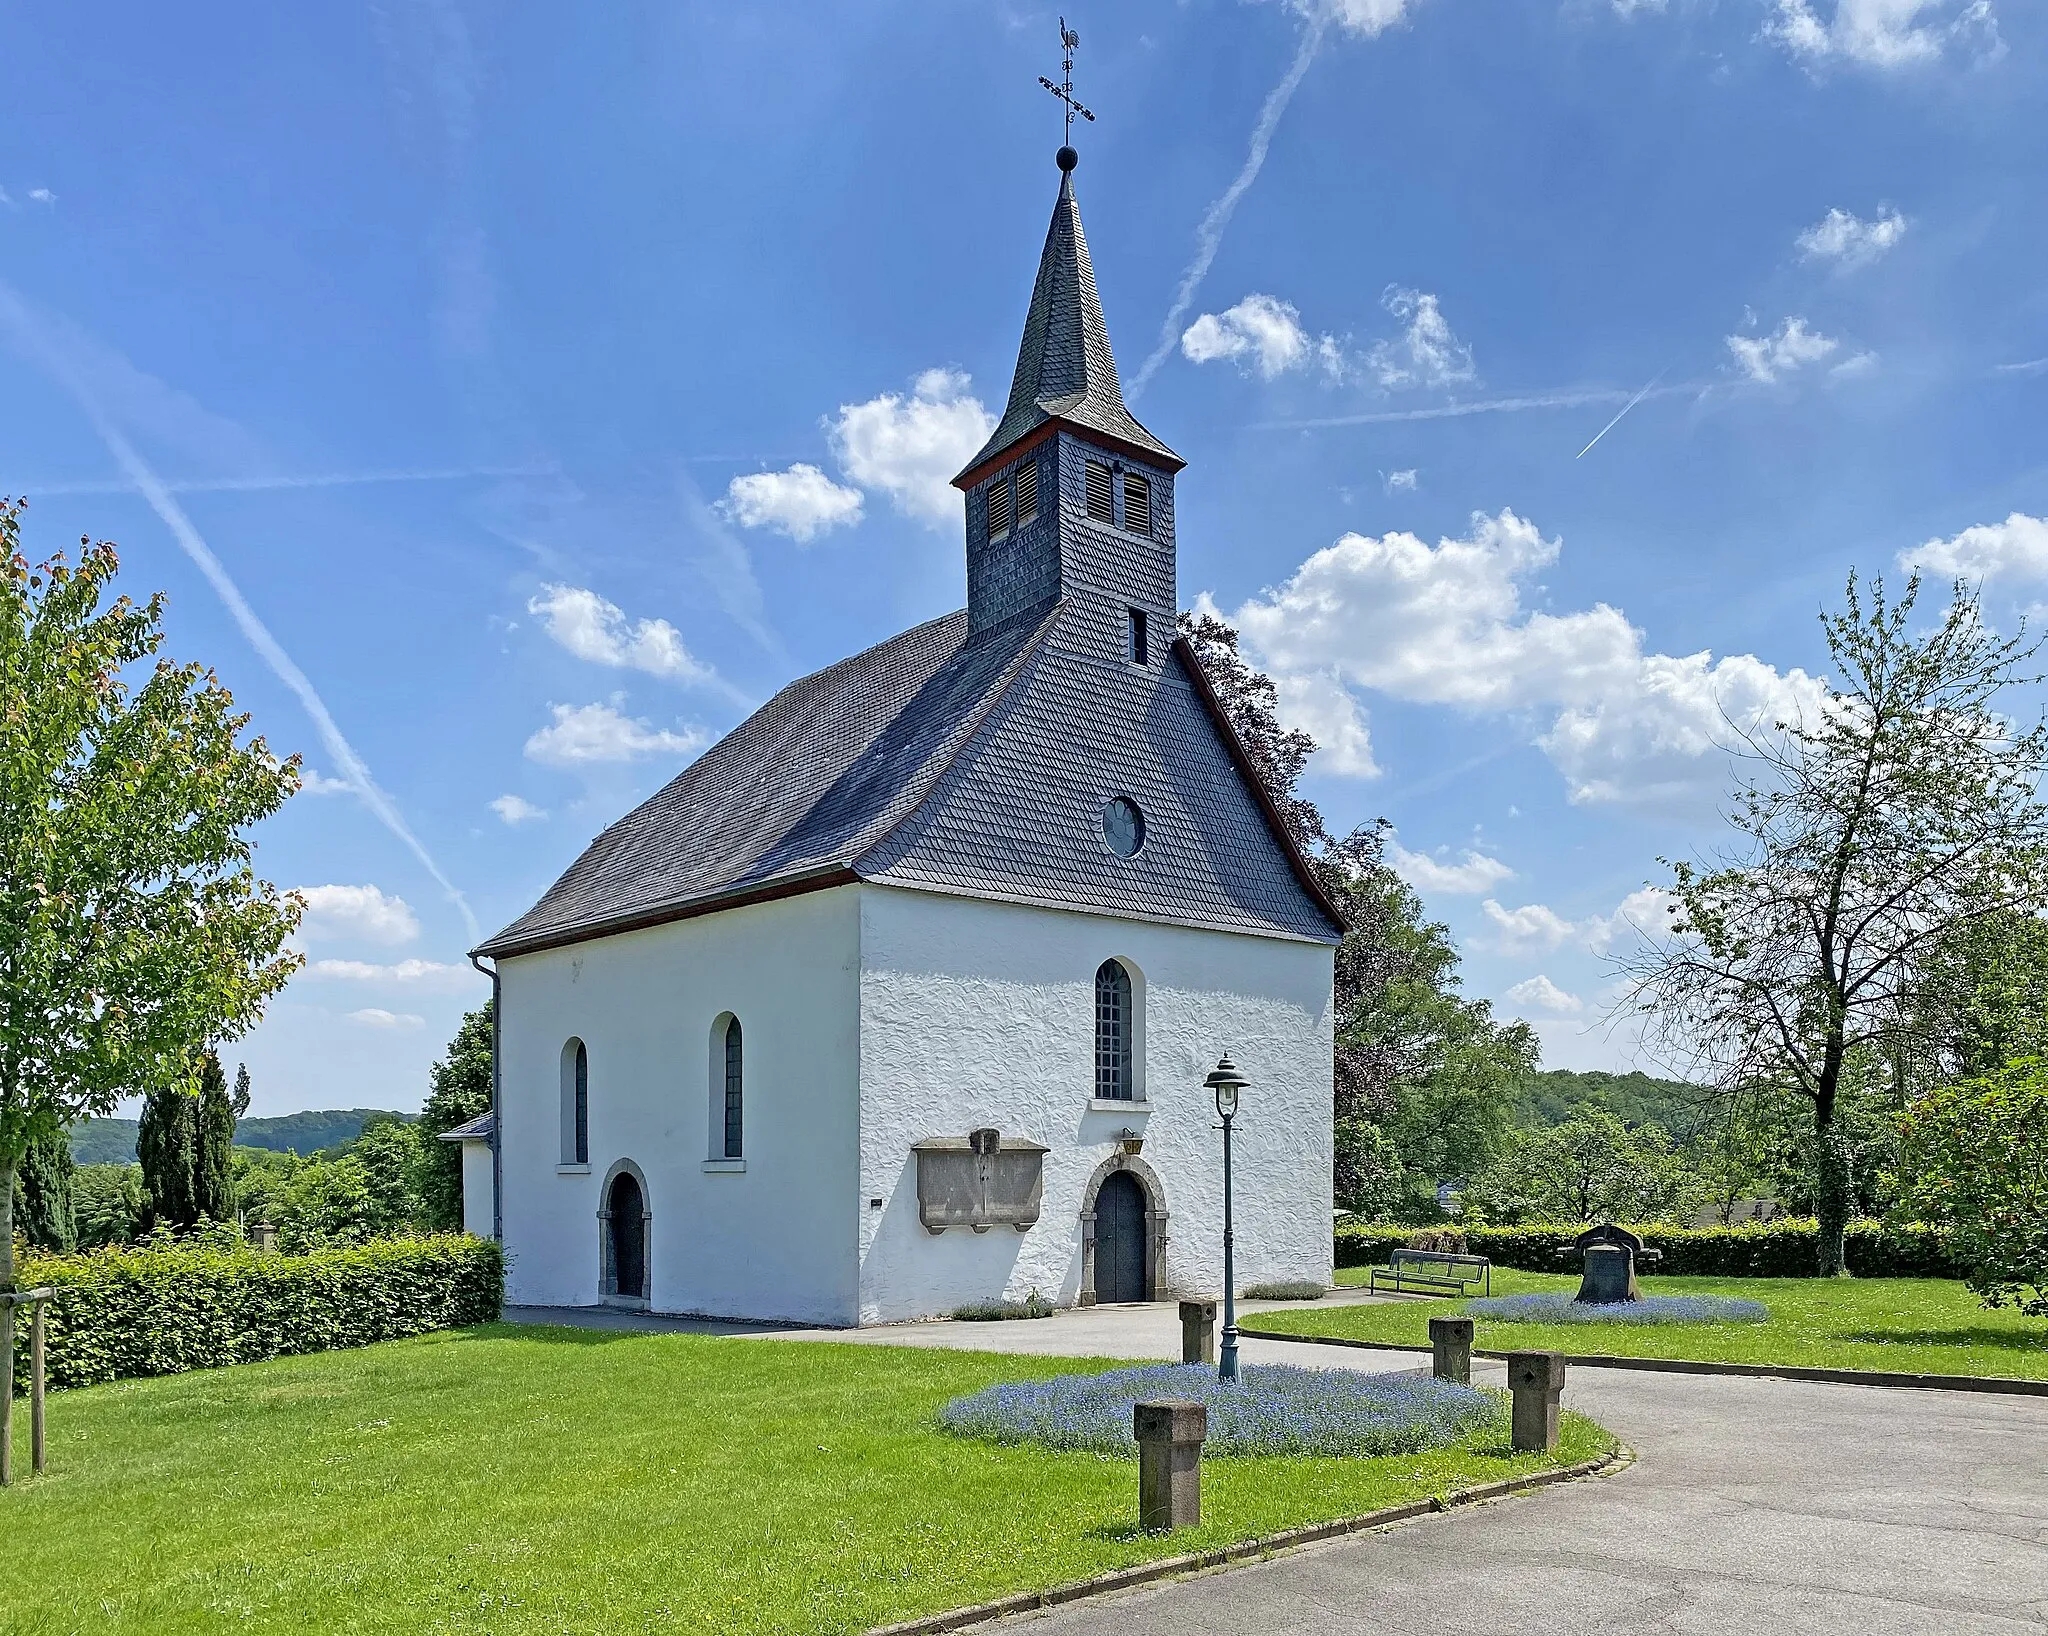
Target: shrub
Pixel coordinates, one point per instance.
(1286, 1289)
(158, 1309)
(1033, 1305)
(1776, 1249)
(1274, 1409)
(1651, 1309)
(1443, 1240)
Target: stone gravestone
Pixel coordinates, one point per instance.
(1609, 1256)
(1170, 1435)
(1450, 1342)
(1537, 1381)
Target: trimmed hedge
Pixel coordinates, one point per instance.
(1776, 1249)
(119, 1313)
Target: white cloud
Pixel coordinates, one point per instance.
(1533, 926)
(2016, 549)
(910, 447)
(1367, 18)
(801, 502)
(1427, 354)
(1445, 625)
(597, 630)
(316, 783)
(1261, 335)
(1324, 708)
(1769, 358)
(584, 734)
(375, 1016)
(437, 976)
(1471, 875)
(1541, 994)
(1395, 482)
(1644, 914)
(42, 195)
(365, 913)
(1849, 240)
(1854, 368)
(1883, 33)
(516, 809)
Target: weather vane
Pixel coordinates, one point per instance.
(1065, 90)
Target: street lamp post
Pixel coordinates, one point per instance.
(1226, 1082)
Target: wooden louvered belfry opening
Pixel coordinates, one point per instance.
(1099, 491)
(1137, 504)
(1027, 492)
(999, 508)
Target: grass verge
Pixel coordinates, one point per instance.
(1929, 1326)
(510, 1479)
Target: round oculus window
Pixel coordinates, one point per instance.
(1123, 826)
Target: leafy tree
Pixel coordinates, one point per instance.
(213, 1121)
(131, 922)
(326, 1202)
(1590, 1168)
(1982, 999)
(240, 1101)
(107, 1201)
(389, 1153)
(1424, 1076)
(43, 1207)
(1974, 1158)
(459, 1089)
(1897, 813)
(167, 1146)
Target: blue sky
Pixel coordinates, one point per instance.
(508, 398)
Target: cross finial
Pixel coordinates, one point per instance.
(1065, 92)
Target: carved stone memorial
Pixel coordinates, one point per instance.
(1609, 1256)
(981, 1180)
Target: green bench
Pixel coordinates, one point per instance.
(1433, 1272)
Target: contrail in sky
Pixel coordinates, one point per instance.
(1625, 408)
(1477, 406)
(343, 754)
(1209, 235)
(306, 480)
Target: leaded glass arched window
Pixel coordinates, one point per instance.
(734, 1088)
(575, 1104)
(1113, 1031)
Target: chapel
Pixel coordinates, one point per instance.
(902, 996)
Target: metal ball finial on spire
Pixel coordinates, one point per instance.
(1067, 158)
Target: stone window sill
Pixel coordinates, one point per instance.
(1112, 1104)
(724, 1167)
(572, 1170)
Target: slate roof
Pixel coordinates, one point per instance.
(1064, 367)
(978, 768)
(480, 1129)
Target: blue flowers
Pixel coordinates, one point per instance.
(1651, 1309)
(1273, 1409)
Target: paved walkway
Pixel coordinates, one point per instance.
(1762, 1507)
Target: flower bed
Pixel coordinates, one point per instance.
(1558, 1308)
(1273, 1409)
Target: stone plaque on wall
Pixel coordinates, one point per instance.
(981, 1180)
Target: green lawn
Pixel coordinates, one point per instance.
(1913, 1325)
(506, 1479)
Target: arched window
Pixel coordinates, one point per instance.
(1113, 1032)
(575, 1104)
(733, 1088)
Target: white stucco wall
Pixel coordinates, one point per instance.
(775, 1240)
(977, 1013)
(476, 1189)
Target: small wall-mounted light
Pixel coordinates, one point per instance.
(874, 1204)
(1129, 1142)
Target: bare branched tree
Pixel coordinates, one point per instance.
(1905, 809)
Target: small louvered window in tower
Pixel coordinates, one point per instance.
(999, 508)
(1137, 503)
(1099, 492)
(1141, 646)
(1027, 492)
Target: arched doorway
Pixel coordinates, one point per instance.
(626, 1225)
(1121, 1232)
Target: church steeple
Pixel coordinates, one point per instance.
(1071, 500)
(1065, 371)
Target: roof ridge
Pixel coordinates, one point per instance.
(969, 732)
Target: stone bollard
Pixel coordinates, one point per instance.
(1198, 1332)
(1537, 1380)
(263, 1237)
(1450, 1339)
(1170, 1437)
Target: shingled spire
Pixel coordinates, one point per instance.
(1065, 372)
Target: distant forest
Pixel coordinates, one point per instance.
(1551, 1098)
(112, 1141)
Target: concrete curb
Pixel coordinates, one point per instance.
(1998, 1384)
(1617, 1459)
